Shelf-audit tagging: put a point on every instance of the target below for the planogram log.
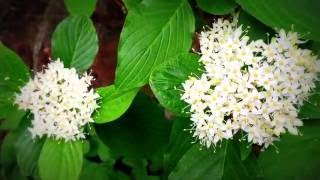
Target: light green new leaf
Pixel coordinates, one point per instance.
(298, 156)
(28, 151)
(83, 7)
(217, 7)
(302, 15)
(113, 103)
(60, 160)
(202, 163)
(75, 42)
(166, 81)
(154, 31)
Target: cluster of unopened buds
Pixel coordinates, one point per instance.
(249, 85)
(60, 100)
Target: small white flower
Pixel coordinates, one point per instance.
(249, 85)
(61, 102)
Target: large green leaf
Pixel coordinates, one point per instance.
(84, 7)
(13, 75)
(113, 103)
(256, 29)
(7, 153)
(202, 163)
(13, 72)
(75, 42)
(60, 160)
(217, 7)
(131, 3)
(100, 171)
(298, 156)
(28, 151)
(166, 81)
(180, 141)
(303, 15)
(154, 31)
(311, 107)
(141, 134)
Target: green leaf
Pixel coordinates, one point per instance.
(102, 171)
(303, 15)
(75, 42)
(142, 133)
(256, 29)
(13, 75)
(217, 7)
(7, 153)
(154, 31)
(13, 72)
(311, 107)
(84, 7)
(13, 117)
(298, 156)
(113, 103)
(180, 141)
(28, 151)
(166, 81)
(130, 4)
(202, 163)
(60, 160)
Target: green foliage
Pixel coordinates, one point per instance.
(13, 75)
(154, 31)
(7, 158)
(142, 133)
(148, 142)
(130, 4)
(113, 103)
(180, 141)
(297, 157)
(75, 42)
(85, 7)
(60, 160)
(217, 7)
(166, 81)
(100, 171)
(202, 163)
(28, 151)
(302, 15)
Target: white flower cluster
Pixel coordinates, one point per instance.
(247, 85)
(60, 101)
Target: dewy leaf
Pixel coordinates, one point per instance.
(113, 103)
(28, 151)
(84, 7)
(223, 163)
(302, 15)
(75, 42)
(60, 160)
(217, 7)
(154, 31)
(166, 81)
(298, 156)
(13, 75)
